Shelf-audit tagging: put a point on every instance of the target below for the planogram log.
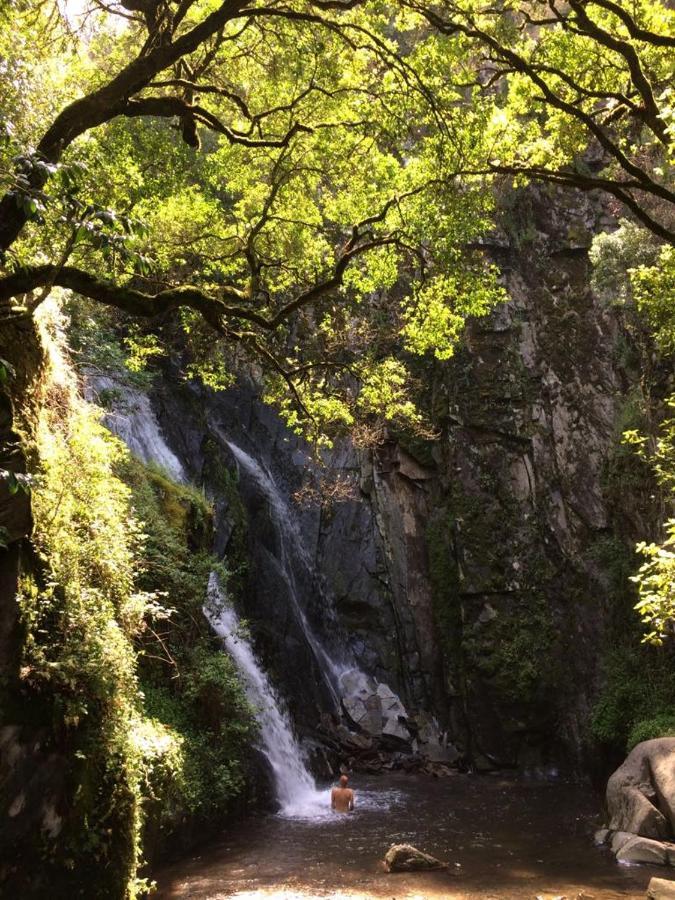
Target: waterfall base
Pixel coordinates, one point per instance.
(511, 839)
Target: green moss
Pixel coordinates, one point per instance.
(662, 725)
(225, 482)
(80, 614)
(112, 622)
(418, 446)
(514, 649)
(190, 686)
(625, 470)
(638, 694)
(444, 577)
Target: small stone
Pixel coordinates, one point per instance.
(601, 836)
(406, 858)
(661, 889)
(487, 614)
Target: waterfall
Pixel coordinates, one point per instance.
(293, 554)
(133, 420)
(373, 707)
(295, 788)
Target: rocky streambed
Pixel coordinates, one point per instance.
(503, 839)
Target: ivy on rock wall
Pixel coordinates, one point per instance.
(637, 699)
(132, 694)
(188, 683)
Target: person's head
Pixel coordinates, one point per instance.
(343, 781)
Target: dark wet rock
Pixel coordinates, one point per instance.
(406, 858)
(353, 740)
(641, 793)
(438, 770)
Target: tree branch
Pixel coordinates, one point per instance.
(633, 29)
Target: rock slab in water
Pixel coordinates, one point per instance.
(644, 850)
(406, 858)
(641, 793)
(661, 889)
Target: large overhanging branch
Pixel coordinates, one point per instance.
(651, 112)
(522, 65)
(176, 106)
(128, 299)
(113, 98)
(105, 104)
(358, 37)
(633, 29)
(216, 310)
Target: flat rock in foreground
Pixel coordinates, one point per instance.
(406, 858)
(661, 889)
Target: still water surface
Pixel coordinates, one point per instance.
(503, 839)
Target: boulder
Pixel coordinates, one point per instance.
(641, 793)
(374, 708)
(406, 858)
(661, 889)
(352, 739)
(391, 705)
(431, 741)
(643, 850)
(393, 728)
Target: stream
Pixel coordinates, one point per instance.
(503, 838)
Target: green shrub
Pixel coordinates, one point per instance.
(639, 687)
(662, 725)
(124, 558)
(80, 618)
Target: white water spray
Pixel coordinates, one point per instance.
(292, 548)
(295, 788)
(133, 420)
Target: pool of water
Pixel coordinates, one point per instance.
(502, 838)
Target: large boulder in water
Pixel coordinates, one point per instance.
(406, 858)
(641, 793)
(645, 850)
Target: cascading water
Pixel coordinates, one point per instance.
(295, 788)
(133, 420)
(372, 706)
(293, 554)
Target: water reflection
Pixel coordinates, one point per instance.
(505, 839)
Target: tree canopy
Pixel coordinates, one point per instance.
(312, 180)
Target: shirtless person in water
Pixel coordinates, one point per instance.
(342, 798)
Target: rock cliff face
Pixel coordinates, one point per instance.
(530, 412)
(473, 573)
